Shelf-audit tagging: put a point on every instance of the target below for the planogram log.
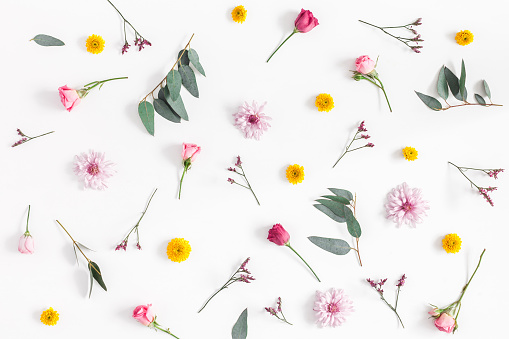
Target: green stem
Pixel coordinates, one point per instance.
(294, 31)
(397, 297)
(125, 20)
(146, 208)
(182, 179)
(241, 185)
(392, 308)
(30, 138)
(100, 82)
(156, 325)
(219, 290)
(28, 216)
(250, 188)
(288, 245)
(468, 283)
(346, 151)
(383, 89)
(459, 169)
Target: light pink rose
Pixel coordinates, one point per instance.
(434, 312)
(69, 97)
(364, 64)
(278, 235)
(144, 314)
(190, 151)
(305, 21)
(445, 323)
(26, 244)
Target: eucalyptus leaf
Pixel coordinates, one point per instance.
(85, 247)
(146, 113)
(75, 254)
(453, 82)
(239, 330)
(47, 40)
(174, 82)
(91, 283)
(176, 106)
(480, 99)
(487, 89)
(335, 246)
(185, 58)
(339, 199)
(189, 80)
(96, 273)
(165, 111)
(431, 102)
(442, 88)
(463, 78)
(352, 224)
(161, 94)
(195, 60)
(336, 207)
(342, 193)
(329, 213)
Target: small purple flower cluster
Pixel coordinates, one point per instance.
(276, 312)
(377, 286)
(244, 277)
(484, 192)
(122, 246)
(141, 42)
(360, 128)
(401, 281)
(494, 173)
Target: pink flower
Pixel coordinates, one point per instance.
(445, 323)
(434, 312)
(93, 169)
(251, 121)
(26, 244)
(331, 307)
(190, 151)
(305, 21)
(364, 64)
(405, 205)
(144, 314)
(69, 97)
(278, 235)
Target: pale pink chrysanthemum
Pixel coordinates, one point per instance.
(331, 307)
(251, 121)
(93, 169)
(405, 205)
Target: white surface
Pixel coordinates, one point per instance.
(222, 222)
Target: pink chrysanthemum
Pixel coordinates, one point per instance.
(93, 169)
(405, 205)
(251, 121)
(331, 307)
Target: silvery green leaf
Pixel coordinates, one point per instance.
(185, 58)
(431, 102)
(91, 281)
(443, 90)
(174, 82)
(329, 213)
(487, 89)
(480, 99)
(75, 254)
(336, 207)
(176, 106)
(164, 110)
(463, 78)
(146, 113)
(354, 228)
(341, 193)
(453, 82)
(189, 80)
(239, 330)
(342, 200)
(96, 273)
(195, 60)
(46, 40)
(335, 246)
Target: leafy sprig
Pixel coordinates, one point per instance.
(412, 43)
(484, 191)
(238, 164)
(26, 138)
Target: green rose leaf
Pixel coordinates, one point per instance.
(442, 88)
(185, 58)
(96, 274)
(341, 193)
(339, 199)
(146, 112)
(329, 213)
(335, 246)
(174, 82)
(336, 207)
(46, 40)
(195, 60)
(487, 89)
(463, 78)
(352, 224)
(239, 330)
(480, 99)
(176, 106)
(454, 84)
(164, 110)
(189, 80)
(431, 102)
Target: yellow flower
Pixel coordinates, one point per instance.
(410, 153)
(465, 37)
(451, 243)
(49, 317)
(95, 44)
(324, 102)
(178, 250)
(239, 14)
(295, 174)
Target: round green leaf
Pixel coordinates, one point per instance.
(174, 82)
(335, 246)
(146, 113)
(354, 228)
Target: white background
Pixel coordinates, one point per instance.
(222, 222)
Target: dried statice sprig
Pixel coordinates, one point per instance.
(238, 164)
(123, 244)
(26, 138)
(412, 43)
(279, 310)
(360, 129)
(378, 287)
(484, 191)
(242, 274)
(139, 40)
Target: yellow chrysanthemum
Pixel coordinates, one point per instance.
(410, 153)
(451, 243)
(178, 250)
(49, 317)
(239, 14)
(324, 102)
(464, 37)
(95, 44)
(295, 174)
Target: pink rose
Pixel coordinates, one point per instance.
(144, 314)
(190, 151)
(26, 244)
(278, 235)
(69, 97)
(364, 64)
(305, 21)
(445, 323)
(434, 312)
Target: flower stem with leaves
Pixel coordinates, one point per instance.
(412, 43)
(275, 312)
(88, 87)
(360, 129)
(243, 174)
(26, 138)
(378, 288)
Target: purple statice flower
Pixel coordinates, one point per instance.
(365, 136)
(484, 192)
(238, 163)
(279, 312)
(405, 205)
(361, 128)
(93, 169)
(125, 47)
(401, 281)
(231, 169)
(494, 173)
(417, 22)
(138, 246)
(231, 181)
(370, 144)
(122, 246)
(251, 120)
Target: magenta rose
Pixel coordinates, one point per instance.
(190, 151)
(305, 21)
(69, 97)
(278, 235)
(445, 323)
(144, 314)
(26, 244)
(364, 64)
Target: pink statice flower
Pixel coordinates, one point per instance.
(405, 205)
(331, 307)
(251, 121)
(93, 169)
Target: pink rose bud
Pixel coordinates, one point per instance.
(305, 21)
(364, 64)
(278, 235)
(445, 323)
(190, 151)
(69, 97)
(144, 314)
(26, 244)
(434, 312)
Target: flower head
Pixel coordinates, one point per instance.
(331, 307)
(93, 169)
(361, 127)
(445, 323)
(125, 47)
(464, 38)
(295, 174)
(405, 205)
(410, 153)
(484, 192)
(239, 14)
(305, 21)
(190, 151)
(26, 244)
(494, 173)
(324, 102)
(364, 64)
(49, 317)
(251, 120)
(278, 235)
(451, 243)
(144, 314)
(178, 250)
(401, 281)
(69, 97)
(95, 44)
